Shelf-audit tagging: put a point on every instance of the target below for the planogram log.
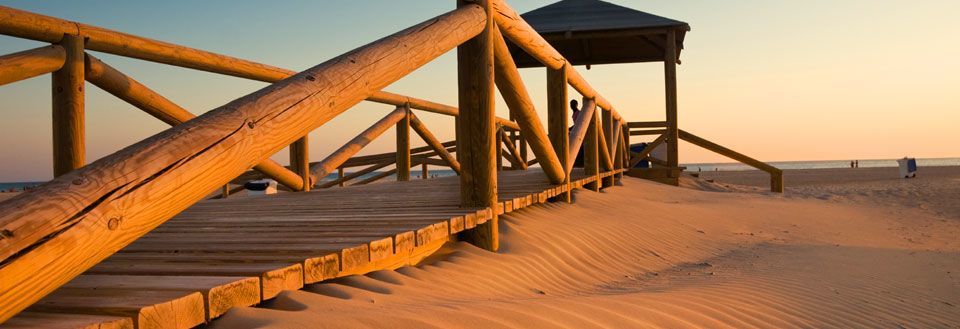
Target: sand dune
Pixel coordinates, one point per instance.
(648, 255)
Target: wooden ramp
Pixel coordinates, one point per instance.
(240, 251)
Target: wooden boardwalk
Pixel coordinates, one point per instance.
(240, 251)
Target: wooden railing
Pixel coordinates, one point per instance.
(654, 128)
(91, 210)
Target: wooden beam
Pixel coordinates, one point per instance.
(476, 137)
(637, 157)
(579, 131)
(334, 160)
(365, 160)
(377, 177)
(776, 175)
(558, 120)
(647, 124)
(605, 159)
(300, 161)
(30, 63)
(434, 143)
(67, 225)
(133, 92)
(648, 132)
(670, 80)
(591, 151)
(403, 145)
(515, 160)
(68, 118)
(606, 145)
(515, 94)
(348, 177)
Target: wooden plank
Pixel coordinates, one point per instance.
(647, 124)
(148, 308)
(68, 115)
(274, 277)
(476, 129)
(40, 320)
(30, 63)
(219, 293)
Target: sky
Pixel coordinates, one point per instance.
(777, 80)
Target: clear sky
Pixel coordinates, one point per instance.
(778, 80)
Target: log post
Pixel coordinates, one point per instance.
(30, 63)
(225, 191)
(499, 142)
(300, 161)
(424, 171)
(476, 125)
(607, 131)
(68, 116)
(670, 80)
(403, 145)
(340, 176)
(558, 121)
(626, 145)
(591, 152)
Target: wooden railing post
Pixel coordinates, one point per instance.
(68, 116)
(558, 121)
(300, 161)
(424, 171)
(499, 142)
(340, 176)
(607, 122)
(591, 154)
(670, 80)
(403, 146)
(476, 141)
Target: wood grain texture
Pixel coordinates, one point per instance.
(558, 120)
(69, 132)
(476, 136)
(30, 63)
(41, 320)
(106, 205)
(135, 93)
(670, 87)
(300, 161)
(403, 145)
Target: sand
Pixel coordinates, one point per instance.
(647, 255)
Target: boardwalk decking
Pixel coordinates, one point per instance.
(240, 251)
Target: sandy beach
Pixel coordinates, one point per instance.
(842, 248)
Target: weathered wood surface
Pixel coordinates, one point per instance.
(135, 93)
(220, 254)
(104, 204)
(403, 145)
(69, 132)
(558, 119)
(30, 63)
(300, 161)
(670, 82)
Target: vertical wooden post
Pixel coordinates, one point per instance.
(300, 161)
(499, 142)
(607, 124)
(557, 119)
(403, 146)
(68, 116)
(477, 127)
(626, 142)
(670, 80)
(424, 172)
(523, 147)
(619, 149)
(339, 176)
(591, 149)
(225, 191)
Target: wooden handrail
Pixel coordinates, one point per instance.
(133, 92)
(30, 63)
(515, 160)
(776, 175)
(647, 124)
(635, 158)
(76, 220)
(365, 160)
(647, 132)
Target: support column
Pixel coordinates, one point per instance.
(403, 146)
(591, 155)
(476, 126)
(68, 116)
(670, 79)
(607, 131)
(499, 150)
(424, 171)
(340, 176)
(558, 122)
(300, 161)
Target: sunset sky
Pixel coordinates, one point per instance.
(777, 80)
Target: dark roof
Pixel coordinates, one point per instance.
(599, 32)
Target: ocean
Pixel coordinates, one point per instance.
(873, 163)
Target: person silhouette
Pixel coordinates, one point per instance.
(575, 106)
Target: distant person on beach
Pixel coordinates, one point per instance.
(856, 163)
(575, 106)
(852, 164)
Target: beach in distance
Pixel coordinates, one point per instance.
(840, 248)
